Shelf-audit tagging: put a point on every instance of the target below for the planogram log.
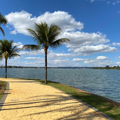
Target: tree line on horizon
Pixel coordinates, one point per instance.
(43, 35)
(108, 67)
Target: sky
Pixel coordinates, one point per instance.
(92, 26)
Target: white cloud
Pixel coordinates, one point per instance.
(13, 32)
(102, 58)
(91, 61)
(78, 59)
(81, 43)
(26, 53)
(96, 62)
(34, 58)
(19, 44)
(83, 50)
(51, 55)
(23, 20)
(80, 38)
(62, 63)
(66, 55)
(87, 50)
(115, 44)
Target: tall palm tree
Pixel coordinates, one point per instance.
(45, 37)
(7, 50)
(2, 21)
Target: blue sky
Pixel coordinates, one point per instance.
(93, 27)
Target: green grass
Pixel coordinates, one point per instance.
(3, 82)
(95, 101)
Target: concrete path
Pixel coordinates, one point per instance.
(30, 100)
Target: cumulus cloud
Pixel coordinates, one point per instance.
(102, 58)
(34, 58)
(13, 32)
(115, 44)
(96, 62)
(52, 55)
(19, 44)
(118, 63)
(26, 53)
(23, 20)
(66, 55)
(87, 50)
(80, 38)
(62, 62)
(81, 43)
(78, 59)
(91, 61)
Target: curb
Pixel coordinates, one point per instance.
(4, 96)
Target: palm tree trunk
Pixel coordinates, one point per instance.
(5, 68)
(45, 66)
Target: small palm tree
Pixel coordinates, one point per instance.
(2, 21)
(45, 37)
(7, 50)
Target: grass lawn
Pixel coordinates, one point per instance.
(3, 82)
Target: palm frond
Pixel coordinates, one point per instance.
(54, 28)
(42, 31)
(1, 57)
(2, 31)
(3, 20)
(5, 54)
(14, 55)
(33, 34)
(54, 31)
(46, 36)
(58, 42)
(1, 42)
(31, 47)
(7, 50)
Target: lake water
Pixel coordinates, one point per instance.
(101, 82)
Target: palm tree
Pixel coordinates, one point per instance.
(45, 37)
(7, 50)
(2, 21)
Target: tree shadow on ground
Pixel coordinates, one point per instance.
(58, 104)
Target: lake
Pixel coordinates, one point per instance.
(101, 82)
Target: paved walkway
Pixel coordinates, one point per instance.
(30, 100)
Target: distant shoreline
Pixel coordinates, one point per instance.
(49, 67)
(100, 68)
